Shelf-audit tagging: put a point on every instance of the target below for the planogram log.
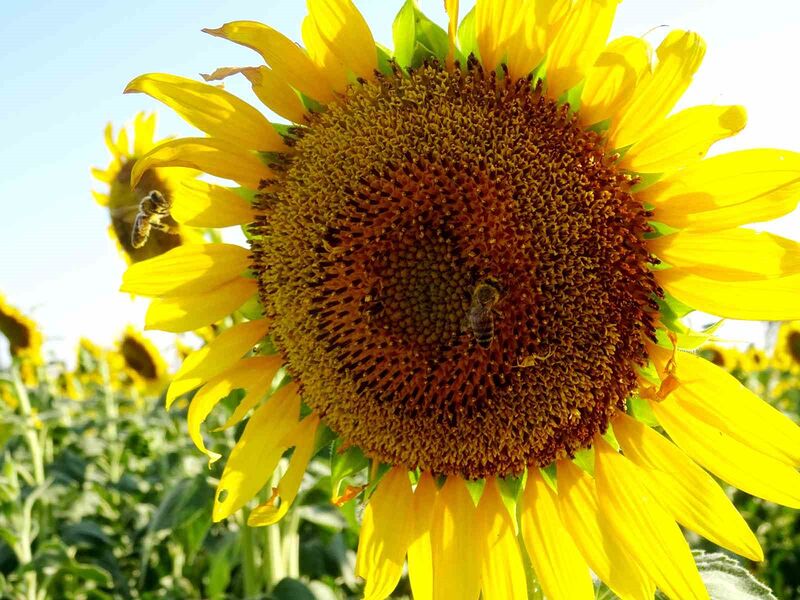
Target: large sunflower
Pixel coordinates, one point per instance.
(473, 255)
(122, 199)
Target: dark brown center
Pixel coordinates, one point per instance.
(456, 273)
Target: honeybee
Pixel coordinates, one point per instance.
(152, 210)
(480, 316)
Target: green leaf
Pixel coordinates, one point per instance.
(727, 579)
(291, 589)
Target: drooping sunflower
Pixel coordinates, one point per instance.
(24, 340)
(472, 255)
(140, 360)
(122, 199)
(786, 355)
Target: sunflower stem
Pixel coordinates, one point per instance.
(251, 584)
(112, 416)
(37, 458)
(291, 545)
(272, 565)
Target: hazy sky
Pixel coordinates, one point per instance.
(65, 64)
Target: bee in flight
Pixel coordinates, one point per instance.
(153, 209)
(480, 316)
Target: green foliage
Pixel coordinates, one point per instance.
(121, 509)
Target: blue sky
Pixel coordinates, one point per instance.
(65, 65)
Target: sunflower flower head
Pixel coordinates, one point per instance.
(24, 340)
(137, 358)
(123, 200)
(727, 358)
(472, 256)
(786, 355)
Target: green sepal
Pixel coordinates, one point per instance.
(384, 59)
(611, 438)
(645, 179)
(584, 458)
(325, 437)
(640, 409)
(659, 230)
(475, 489)
(688, 339)
(345, 464)
(510, 491)
(374, 479)
(467, 36)
(417, 38)
(550, 476)
(252, 309)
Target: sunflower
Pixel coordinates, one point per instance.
(140, 361)
(24, 340)
(122, 199)
(786, 355)
(753, 360)
(473, 255)
(727, 358)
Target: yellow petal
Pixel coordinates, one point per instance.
(258, 451)
(385, 534)
(144, 128)
(122, 144)
(328, 64)
(559, 566)
(211, 109)
(108, 137)
(219, 355)
(286, 58)
(343, 29)
(451, 6)
(303, 441)
(269, 368)
(755, 300)
(101, 199)
(215, 157)
(731, 255)
(202, 204)
(579, 43)
(684, 489)
(189, 269)
(610, 82)
(187, 313)
(580, 513)
(420, 560)
(455, 544)
(502, 569)
(104, 176)
(726, 457)
(646, 529)
(679, 55)
(246, 374)
(684, 138)
(496, 21)
(276, 94)
(743, 415)
(728, 190)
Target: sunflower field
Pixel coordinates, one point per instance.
(462, 317)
